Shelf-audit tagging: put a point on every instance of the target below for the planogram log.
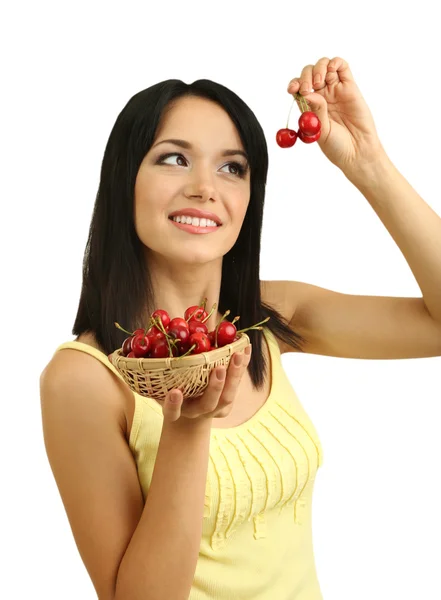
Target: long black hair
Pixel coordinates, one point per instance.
(116, 283)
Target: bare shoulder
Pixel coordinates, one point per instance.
(73, 369)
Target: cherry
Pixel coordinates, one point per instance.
(195, 326)
(138, 331)
(195, 313)
(286, 138)
(309, 123)
(200, 341)
(181, 334)
(163, 315)
(131, 355)
(153, 334)
(160, 349)
(309, 126)
(226, 332)
(127, 345)
(140, 345)
(309, 139)
(177, 322)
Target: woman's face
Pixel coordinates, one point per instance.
(198, 176)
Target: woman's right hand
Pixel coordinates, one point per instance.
(217, 399)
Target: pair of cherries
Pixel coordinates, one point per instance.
(309, 127)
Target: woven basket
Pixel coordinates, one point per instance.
(154, 377)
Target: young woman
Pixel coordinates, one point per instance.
(211, 498)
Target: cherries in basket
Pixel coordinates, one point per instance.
(166, 337)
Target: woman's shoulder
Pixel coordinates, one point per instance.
(69, 369)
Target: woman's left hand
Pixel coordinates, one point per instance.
(348, 135)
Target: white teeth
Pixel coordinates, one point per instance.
(195, 221)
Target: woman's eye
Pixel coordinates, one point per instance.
(239, 169)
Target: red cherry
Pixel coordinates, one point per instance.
(211, 338)
(131, 355)
(140, 345)
(195, 326)
(163, 315)
(286, 138)
(309, 139)
(226, 333)
(138, 331)
(181, 334)
(160, 349)
(127, 345)
(309, 123)
(177, 322)
(153, 334)
(202, 342)
(195, 313)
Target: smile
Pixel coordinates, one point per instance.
(190, 228)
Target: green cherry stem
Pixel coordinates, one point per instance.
(188, 351)
(122, 329)
(304, 107)
(209, 314)
(256, 326)
(287, 122)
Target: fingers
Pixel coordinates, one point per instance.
(218, 396)
(236, 371)
(317, 77)
(204, 404)
(171, 409)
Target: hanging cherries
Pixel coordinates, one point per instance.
(309, 126)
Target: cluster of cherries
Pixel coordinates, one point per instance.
(309, 127)
(165, 337)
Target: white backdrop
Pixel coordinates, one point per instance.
(67, 71)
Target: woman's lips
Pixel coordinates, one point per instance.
(193, 228)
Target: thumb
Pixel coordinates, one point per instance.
(171, 409)
(318, 105)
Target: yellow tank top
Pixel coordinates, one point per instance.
(257, 536)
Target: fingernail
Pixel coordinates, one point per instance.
(220, 374)
(174, 397)
(237, 359)
(248, 350)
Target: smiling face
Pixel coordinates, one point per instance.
(198, 176)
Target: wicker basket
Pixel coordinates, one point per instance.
(154, 377)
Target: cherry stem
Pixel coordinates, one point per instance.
(122, 329)
(210, 313)
(234, 320)
(287, 122)
(304, 107)
(188, 351)
(255, 326)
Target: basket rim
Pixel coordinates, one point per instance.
(179, 362)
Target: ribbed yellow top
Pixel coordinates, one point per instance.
(257, 536)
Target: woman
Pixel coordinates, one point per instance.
(211, 498)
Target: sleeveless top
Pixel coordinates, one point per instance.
(257, 531)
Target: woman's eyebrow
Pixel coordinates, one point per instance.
(188, 146)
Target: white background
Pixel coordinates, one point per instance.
(67, 71)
